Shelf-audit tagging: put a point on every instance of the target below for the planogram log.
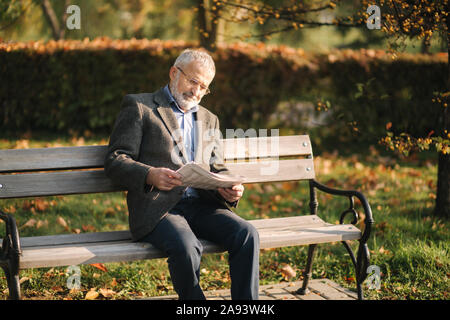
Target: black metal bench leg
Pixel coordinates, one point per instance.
(10, 255)
(307, 274)
(13, 284)
(360, 263)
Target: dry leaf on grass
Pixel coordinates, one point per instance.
(60, 220)
(288, 272)
(107, 293)
(99, 266)
(91, 295)
(30, 223)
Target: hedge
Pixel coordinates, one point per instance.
(76, 85)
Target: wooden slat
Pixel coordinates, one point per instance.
(70, 239)
(94, 181)
(125, 235)
(273, 233)
(264, 147)
(287, 222)
(55, 183)
(16, 160)
(300, 236)
(60, 158)
(276, 170)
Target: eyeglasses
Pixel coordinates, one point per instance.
(194, 82)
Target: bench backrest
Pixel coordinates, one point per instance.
(78, 170)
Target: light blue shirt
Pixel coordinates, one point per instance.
(186, 122)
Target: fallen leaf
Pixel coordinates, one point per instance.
(23, 279)
(91, 295)
(22, 144)
(88, 228)
(41, 223)
(204, 271)
(26, 205)
(109, 212)
(255, 198)
(99, 266)
(107, 293)
(349, 279)
(288, 272)
(30, 223)
(41, 205)
(10, 209)
(287, 186)
(60, 220)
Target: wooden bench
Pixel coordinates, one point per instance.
(79, 170)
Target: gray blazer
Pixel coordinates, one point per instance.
(145, 135)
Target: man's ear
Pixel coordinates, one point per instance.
(172, 73)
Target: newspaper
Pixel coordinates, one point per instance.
(193, 175)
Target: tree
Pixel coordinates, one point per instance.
(56, 24)
(11, 11)
(422, 19)
(401, 20)
(208, 16)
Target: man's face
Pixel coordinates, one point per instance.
(188, 84)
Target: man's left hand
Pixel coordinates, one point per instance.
(232, 194)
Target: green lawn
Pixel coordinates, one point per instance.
(408, 244)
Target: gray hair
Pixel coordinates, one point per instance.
(202, 57)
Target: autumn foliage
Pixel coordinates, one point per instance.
(78, 85)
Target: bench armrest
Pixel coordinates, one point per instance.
(368, 221)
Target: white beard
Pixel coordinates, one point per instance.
(185, 100)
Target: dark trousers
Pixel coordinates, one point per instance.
(177, 235)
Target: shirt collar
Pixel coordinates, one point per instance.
(172, 102)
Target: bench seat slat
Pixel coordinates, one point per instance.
(109, 236)
(69, 239)
(284, 232)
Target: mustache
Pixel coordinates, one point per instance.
(190, 95)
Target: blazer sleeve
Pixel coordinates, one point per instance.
(121, 161)
(218, 164)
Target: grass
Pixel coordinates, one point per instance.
(408, 244)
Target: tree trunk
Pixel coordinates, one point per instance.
(58, 28)
(443, 188)
(443, 185)
(207, 24)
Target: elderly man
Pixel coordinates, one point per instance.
(154, 135)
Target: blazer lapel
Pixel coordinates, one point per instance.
(170, 121)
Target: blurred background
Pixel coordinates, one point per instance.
(188, 20)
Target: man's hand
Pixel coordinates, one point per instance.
(232, 194)
(163, 178)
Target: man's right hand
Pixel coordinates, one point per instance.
(163, 178)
